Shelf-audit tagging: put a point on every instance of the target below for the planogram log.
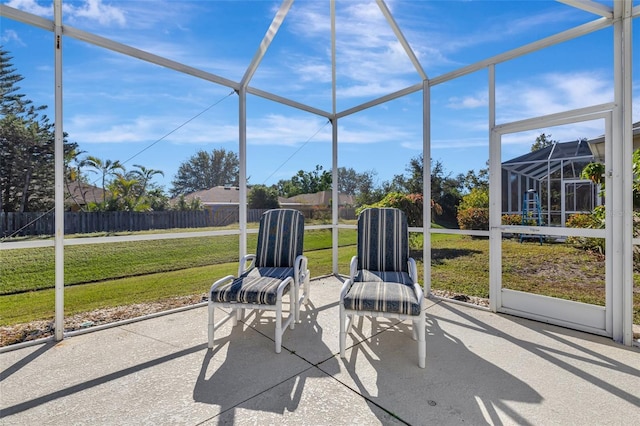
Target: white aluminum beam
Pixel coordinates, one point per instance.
(426, 184)
(335, 194)
(59, 174)
(146, 56)
(288, 102)
(565, 117)
(266, 41)
(495, 200)
(403, 41)
(622, 168)
(26, 18)
(334, 99)
(627, 153)
(395, 95)
(581, 30)
(242, 154)
(590, 6)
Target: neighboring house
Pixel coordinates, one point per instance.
(79, 194)
(554, 173)
(319, 199)
(597, 144)
(222, 202)
(216, 196)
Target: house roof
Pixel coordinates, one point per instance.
(231, 195)
(597, 144)
(215, 195)
(82, 193)
(540, 163)
(322, 198)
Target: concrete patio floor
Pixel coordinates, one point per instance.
(482, 368)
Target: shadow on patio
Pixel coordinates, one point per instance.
(482, 368)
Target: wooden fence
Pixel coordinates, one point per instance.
(34, 223)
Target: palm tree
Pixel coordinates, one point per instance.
(105, 168)
(125, 190)
(144, 176)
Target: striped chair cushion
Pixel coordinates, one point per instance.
(383, 240)
(279, 238)
(379, 296)
(365, 275)
(258, 286)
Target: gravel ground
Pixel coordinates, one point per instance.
(18, 333)
(38, 329)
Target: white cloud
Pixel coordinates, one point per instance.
(479, 100)
(551, 93)
(96, 11)
(32, 6)
(370, 60)
(11, 36)
(88, 10)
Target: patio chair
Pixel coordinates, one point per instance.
(277, 269)
(383, 279)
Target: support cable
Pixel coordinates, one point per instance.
(126, 161)
(296, 151)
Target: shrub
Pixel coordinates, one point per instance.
(594, 220)
(410, 204)
(512, 219)
(478, 219)
(474, 218)
(477, 198)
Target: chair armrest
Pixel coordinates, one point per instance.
(353, 268)
(345, 289)
(282, 286)
(413, 270)
(413, 273)
(243, 267)
(220, 282)
(300, 268)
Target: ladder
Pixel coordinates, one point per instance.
(531, 213)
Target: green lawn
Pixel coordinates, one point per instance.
(116, 274)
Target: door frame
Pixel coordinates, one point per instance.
(576, 315)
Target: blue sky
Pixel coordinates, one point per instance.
(120, 108)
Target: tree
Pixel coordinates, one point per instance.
(27, 143)
(542, 141)
(125, 195)
(205, 170)
(360, 185)
(144, 176)
(445, 190)
(105, 168)
(305, 183)
(262, 197)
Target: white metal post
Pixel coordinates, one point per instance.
(426, 184)
(334, 146)
(335, 196)
(495, 201)
(627, 148)
(242, 154)
(622, 213)
(59, 175)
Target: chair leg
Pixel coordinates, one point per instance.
(294, 307)
(210, 326)
(279, 326)
(343, 333)
(307, 288)
(422, 340)
(234, 316)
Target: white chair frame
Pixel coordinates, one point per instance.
(347, 316)
(300, 278)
